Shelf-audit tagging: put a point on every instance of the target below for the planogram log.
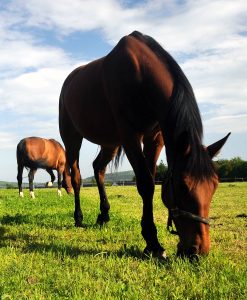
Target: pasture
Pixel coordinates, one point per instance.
(43, 256)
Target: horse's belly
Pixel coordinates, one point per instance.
(102, 134)
(96, 125)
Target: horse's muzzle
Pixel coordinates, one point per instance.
(192, 252)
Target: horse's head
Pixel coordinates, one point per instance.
(188, 195)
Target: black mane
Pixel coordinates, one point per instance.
(184, 116)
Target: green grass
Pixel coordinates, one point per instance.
(43, 256)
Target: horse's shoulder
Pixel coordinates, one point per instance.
(72, 75)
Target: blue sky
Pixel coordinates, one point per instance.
(41, 42)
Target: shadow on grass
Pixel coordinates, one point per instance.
(40, 220)
(49, 221)
(29, 244)
(73, 251)
(16, 219)
(241, 216)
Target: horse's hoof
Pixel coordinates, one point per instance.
(161, 256)
(78, 218)
(49, 184)
(32, 195)
(102, 219)
(158, 254)
(59, 193)
(21, 194)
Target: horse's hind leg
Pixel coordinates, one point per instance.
(31, 178)
(72, 141)
(72, 155)
(50, 172)
(59, 181)
(99, 165)
(19, 179)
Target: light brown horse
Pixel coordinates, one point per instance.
(39, 153)
(138, 94)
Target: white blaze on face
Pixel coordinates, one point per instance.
(32, 195)
(59, 193)
(21, 194)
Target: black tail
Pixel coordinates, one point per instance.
(119, 157)
(19, 151)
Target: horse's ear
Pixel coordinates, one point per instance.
(215, 148)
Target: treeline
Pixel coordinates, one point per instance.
(227, 169)
(235, 168)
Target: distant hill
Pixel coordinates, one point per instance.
(110, 177)
(6, 184)
(114, 177)
(14, 185)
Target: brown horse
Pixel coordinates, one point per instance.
(136, 95)
(34, 153)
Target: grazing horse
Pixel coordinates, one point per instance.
(35, 153)
(138, 94)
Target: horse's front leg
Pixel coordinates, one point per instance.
(72, 146)
(145, 186)
(31, 178)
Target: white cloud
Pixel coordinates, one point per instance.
(21, 55)
(195, 25)
(7, 140)
(219, 79)
(34, 92)
(227, 123)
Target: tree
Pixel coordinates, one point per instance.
(233, 168)
(161, 170)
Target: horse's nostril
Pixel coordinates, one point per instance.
(191, 253)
